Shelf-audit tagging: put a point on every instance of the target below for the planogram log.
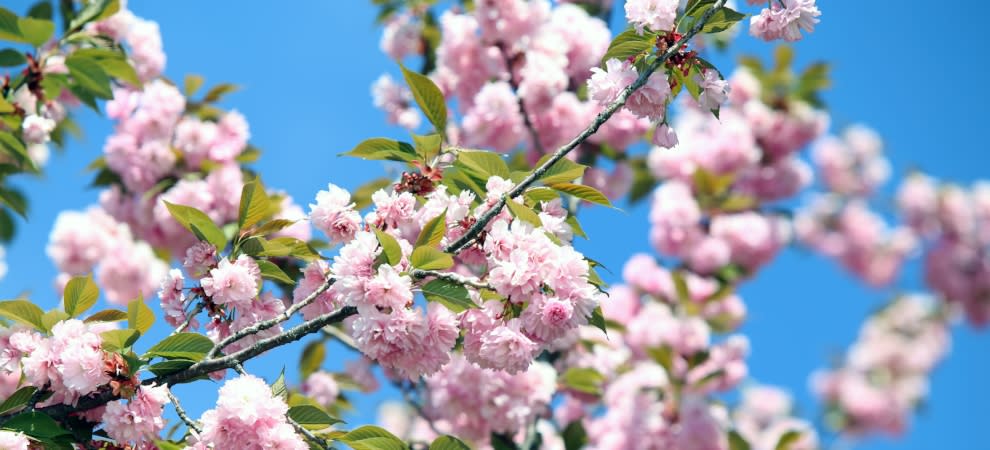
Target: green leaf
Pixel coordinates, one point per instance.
(36, 31)
(430, 258)
(279, 389)
(52, 317)
(113, 63)
(575, 437)
(312, 358)
(562, 171)
(522, 212)
(273, 226)
(694, 8)
(115, 340)
(585, 380)
(216, 93)
(483, 163)
(139, 316)
(79, 295)
(736, 441)
(311, 417)
(191, 84)
(432, 233)
(35, 424)
(14, 200)
(190, 346)
(597, 319)
(427, 146)
(169, 445)
(390, 247)
(428, 97)
(582, 192)
(541, 194)
(627, 44)
(164, 368)
(107, 315)
(450, 294)
(89, 75)
(383, 149)
(788, 439)
(18, 399)
(255, 205)
(94, 10)
(447, 442)
(22, 311)
(13, 146)
(370, 437)
(41, 10)
(11, 58)
(279, 247)
(722, 20)
(198, 223)
(270, 271)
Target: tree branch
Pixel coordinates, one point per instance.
(189, 318)
(266, 324)
(602, 117)
(450, 276)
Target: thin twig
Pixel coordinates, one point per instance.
(189, 318)
(266, 324)
(450, 276)
(602, 117)
(36, 397)
(194, 429)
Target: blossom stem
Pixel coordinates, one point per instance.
(450, 276)
(266, 324)
(602, 117)
(189, 318)
(194, 428)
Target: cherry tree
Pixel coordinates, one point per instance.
(459, 279)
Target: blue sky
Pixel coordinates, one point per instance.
(910, 73)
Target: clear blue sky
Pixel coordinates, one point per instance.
(911, 73)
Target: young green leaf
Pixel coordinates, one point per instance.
(383, 149)
(562, 171)
(390, 247)
(427, 146)
(447, 442)
(452, 295)
(430, 258)
(254, 205)
(722, 20)
(270, 271)
(312, 358)
(88, 74)
(116, 340)
(370, 437)
(189, 346)
(18, 399)
(522, 212)
(483, 163)
(79, 295)
(311, 417)
(629, 43)
(432, 233)
(198, 223)
(581, 379)
(24, 312)
(139, 316)
(582, 192)
(107, 315)
(428, 97)
(11, 58)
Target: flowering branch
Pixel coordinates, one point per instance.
(266, 324)
(420, 274)
(189, 318)
(602, 117)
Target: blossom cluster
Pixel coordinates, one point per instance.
(954, 224)
(884, 375)
(524, 267)
(764, 417)
(784, 20)
(247, 415)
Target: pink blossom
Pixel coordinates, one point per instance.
(509, 20)
(494, 120)
(130, 271)
(714, 90)
(396, 100)
(506, 348)
(401, 36)
(248, 415)
(785, 22)
(664, 136)
(675, 217)
(200, 258)
(140, 420)
(322, 387)
(388, 289)
(657, 15)
(173, 298)
(334, 214)
(235, 283)
(13, 440)
(36, 129)
(604, 86)
(314, 276)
